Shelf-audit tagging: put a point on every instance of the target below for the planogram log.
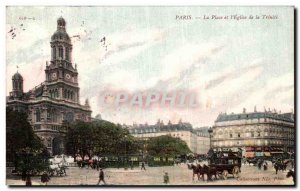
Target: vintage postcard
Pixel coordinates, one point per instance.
(150, 96)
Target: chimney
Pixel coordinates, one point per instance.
(244, 110)
(255, 109)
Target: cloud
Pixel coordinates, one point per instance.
(272, 94)
(108, 69)
(124, 45)
(279, 90)
(183, 58)
(230, 75)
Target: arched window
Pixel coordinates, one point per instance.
(61, 52)
(53, 116)
(67, 53)
(38, 116)
(54, 53)
(49, 142)
(56, 93)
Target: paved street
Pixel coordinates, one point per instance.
(179, 175)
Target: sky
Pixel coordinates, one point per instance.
(230, 64)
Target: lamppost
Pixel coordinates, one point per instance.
(210, 130)
(125, 152)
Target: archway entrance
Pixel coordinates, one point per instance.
(58, 146)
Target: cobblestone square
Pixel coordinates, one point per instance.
(179, 175)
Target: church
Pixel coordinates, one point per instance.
(55, 103)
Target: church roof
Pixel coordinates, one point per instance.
(17, 76)
(60, 34)
(61, 21)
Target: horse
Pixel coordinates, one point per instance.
(289, 163)
(253, 161)
(291, 174)
(210, 172)
(279, 166)
(196, 170)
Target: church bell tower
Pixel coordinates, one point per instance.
(61, 75)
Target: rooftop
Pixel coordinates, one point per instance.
(288, 117)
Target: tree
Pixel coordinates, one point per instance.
(99, 138)
(166, 146)
(78, 139)
(24, 148)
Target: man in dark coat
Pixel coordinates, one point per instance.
(101, 177)
(45, 178)
(28, 180)
(143, 166)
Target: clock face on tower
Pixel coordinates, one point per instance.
(53, 76)
(68, 76)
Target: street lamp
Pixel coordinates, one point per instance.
(125, 153)
(210, 130)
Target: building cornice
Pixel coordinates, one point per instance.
(47, 100)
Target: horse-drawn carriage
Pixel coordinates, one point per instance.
(225, 162)
(220, 164)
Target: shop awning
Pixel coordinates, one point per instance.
(267, 154)
(259, 154)
(279, 152)
(249, 149)
(249, 154)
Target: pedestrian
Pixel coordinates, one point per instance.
(166, 178)
(45, 178)
(265, 166)
(259, 164)
(28, 180)
(98, 165)
(143, 166)
(101, 177)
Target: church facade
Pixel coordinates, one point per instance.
(55, 103)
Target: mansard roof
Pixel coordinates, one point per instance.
(255, 115)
